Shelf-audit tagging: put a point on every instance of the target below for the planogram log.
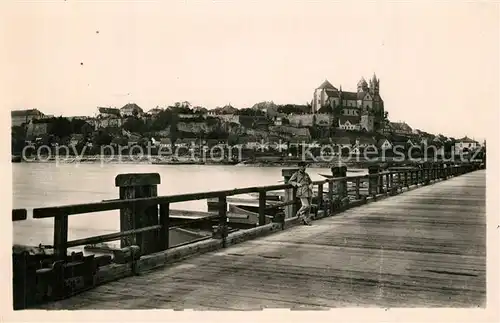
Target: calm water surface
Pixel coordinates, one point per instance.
(48, 184)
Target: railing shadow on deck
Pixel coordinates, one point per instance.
(145, 244)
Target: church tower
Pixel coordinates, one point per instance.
(374, 85)
(362, 85)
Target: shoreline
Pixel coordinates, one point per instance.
(261, 162)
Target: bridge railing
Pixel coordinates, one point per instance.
(332, 195)
(61, 271)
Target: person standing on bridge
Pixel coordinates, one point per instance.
(303, 182)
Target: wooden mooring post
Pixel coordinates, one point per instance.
(138, 186)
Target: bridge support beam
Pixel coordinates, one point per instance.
(138, 186)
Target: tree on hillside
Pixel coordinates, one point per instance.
(326, 109)
(174, 133)
(200, 110)
(180, 110)
(133, 124)
(318, 132)
(77, 124)
(337, 110)
(164, 119)
(448, 147)
(232, 140)
(102, 138)
(60, 127)
(86, 129)
(17, 136)
(250, 112)
(292, 109)
(217, 134)
(182, 104)
(211, 121)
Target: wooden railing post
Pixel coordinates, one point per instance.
(340, 171)
(406, 179)
(138, 186)
(330, 196)
(60, 236)
(262, 207)
(358, 184)
(387, 184)
(290, 193)
(380, 180)
(165, 226)
(223, 219)
(373, 180)
(425, 172)
(320, 197)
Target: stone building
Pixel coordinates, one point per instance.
(23, 117)
(131, 109)
(365, 105)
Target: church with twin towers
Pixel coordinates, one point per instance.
(361, 110)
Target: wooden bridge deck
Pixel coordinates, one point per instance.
(423, 248)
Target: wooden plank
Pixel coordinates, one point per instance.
(239, 213)
(413, 249)
(188, 214)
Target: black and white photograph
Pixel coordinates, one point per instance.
(218, 156)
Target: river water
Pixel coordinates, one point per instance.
(50, 184)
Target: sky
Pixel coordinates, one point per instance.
(437, 61)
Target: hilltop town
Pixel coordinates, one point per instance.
(353, 120)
